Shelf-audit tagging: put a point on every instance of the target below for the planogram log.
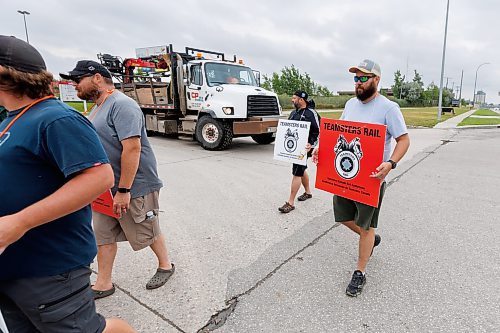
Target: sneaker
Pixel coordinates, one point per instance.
(355, 287)
(286, 208)
(305, 196)
(376, 243)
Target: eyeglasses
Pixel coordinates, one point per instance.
(80, 78)
(363, 78)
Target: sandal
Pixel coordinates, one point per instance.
(160, 278)
(103, 293)
(305, 196)
(286, 208)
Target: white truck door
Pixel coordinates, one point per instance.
(194, 96)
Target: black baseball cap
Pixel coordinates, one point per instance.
(84, 68)
(19, 55)
(301, 94)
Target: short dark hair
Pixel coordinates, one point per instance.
(18, 83)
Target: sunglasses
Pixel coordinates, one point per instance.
(77, 80)
(362, 79)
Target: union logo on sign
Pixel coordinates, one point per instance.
(347, 157)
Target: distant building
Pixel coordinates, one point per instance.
(480, 98)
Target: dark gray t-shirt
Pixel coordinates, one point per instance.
(120, 118)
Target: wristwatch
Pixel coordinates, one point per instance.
(394, 164)
(123, 190)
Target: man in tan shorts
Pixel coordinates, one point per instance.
(120, 125)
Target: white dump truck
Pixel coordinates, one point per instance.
(197, 93)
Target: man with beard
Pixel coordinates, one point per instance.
(46, 239)
(369, 107)
(121, 127)
(302, 112)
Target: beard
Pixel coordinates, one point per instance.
(364, 94)
(91, 93)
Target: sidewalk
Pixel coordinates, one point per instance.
(453, 122)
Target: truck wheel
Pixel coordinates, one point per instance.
(213, 134)
(264, 139)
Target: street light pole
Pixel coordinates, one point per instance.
(440, 103)
(475, 81)
(24, 13)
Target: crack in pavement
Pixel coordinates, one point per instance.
(219, 318)
(138, 301)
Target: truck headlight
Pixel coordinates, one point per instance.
(228, 110)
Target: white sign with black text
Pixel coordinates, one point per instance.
(291, 141)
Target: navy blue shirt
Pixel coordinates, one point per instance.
(44, 148)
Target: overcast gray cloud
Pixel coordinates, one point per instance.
(322, 38)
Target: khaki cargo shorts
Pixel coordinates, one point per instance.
(139, 226)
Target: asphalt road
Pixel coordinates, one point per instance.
(434, 271)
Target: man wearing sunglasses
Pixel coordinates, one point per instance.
(369, 107)
(120, 124)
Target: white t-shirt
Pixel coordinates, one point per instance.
(379, 110)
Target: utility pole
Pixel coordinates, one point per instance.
(440, 103)
(461, 81)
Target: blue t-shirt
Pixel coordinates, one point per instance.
(43, 149)
(379, 110)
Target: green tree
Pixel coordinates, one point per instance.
(398, 83)
(290, 80)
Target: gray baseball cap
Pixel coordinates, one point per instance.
(367, 66)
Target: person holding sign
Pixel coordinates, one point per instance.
(120, 125)
(369, 107)
(53, 166)
(302, 112)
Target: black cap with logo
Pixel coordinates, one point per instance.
(301, 94)
(85, 68)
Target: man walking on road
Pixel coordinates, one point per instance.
(369, 107)
(300, 176)
(121, 127)
(53, 166)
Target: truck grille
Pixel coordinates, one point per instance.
(262, 106)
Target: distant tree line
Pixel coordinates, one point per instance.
(290, 79)
(413, 93)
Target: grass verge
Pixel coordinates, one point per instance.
(414, 117)
(493, 118)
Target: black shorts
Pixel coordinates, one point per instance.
(298, 170)
(364, 216)
(59, 303)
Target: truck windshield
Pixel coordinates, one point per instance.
(222, 73)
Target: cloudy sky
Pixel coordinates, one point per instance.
(322, 38)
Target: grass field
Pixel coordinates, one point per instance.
(493, 120)
(485, 112)
(79, 105)
(414, 117)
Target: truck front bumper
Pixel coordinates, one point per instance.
(255, 126)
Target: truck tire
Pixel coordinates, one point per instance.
(213, 134)
(264, 139)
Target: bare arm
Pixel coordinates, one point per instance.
(72, 196)
(402, 145)
(131, 154)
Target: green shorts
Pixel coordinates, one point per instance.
(364, 216)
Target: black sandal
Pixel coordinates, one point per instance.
(160, 278)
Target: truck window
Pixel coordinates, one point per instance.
(196, 77)
(223, 73)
